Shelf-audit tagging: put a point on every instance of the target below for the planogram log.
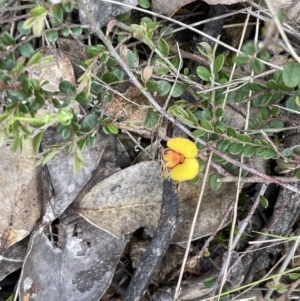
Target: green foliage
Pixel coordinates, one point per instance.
(207, 117)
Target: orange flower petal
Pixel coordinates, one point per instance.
(185, 171)
(172, 158)
(183, 146)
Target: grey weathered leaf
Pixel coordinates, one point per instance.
(125, 201)
(66, 185)
(103, 12)
(79, 266)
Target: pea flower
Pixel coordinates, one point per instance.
(180, 157)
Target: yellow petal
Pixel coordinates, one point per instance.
(172, 158)
(185, 171)
(183, 146)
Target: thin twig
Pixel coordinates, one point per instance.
(176, 294)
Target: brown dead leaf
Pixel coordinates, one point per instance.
(169, 8)
(212, 210)
(20, 196)
(131, 198)
(125, 201)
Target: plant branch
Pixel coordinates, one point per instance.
(153, 102)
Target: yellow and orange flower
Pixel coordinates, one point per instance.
(180, 157)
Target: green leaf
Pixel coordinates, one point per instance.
(298, 173)
(65, 31)
(207, 125)
(66, 87)
(163, 47)
(291, 74)
(151, 119)
(241, 59)
(90, 121)
(124, 17)
(162, 87)
(109, 97)
(218, 63)
(111, 62)
(91, 140)
(291, 104)
(263, 201)
(26, 50)
(276, 124)
(22, 30)
(231, 132)
(210, 282)
(110, 78)
(205, 49)
(178, 112)
(264, 55)
(269, 154)
(294, 276)
(67, 6)
(223, 145)
(61, 103)
(235, 148)
(257, 66)
(37, 11)
(131, 59)
(249, 48)
(144, 4)
(66, 133)
(203, 73)
(220, 112)
(37, 141)
(275, 111)
(256, 87)
(219, 130)
(244, 138)
(199, 133)
(77, 31)
(112, 129)
(264, 113)
(52, 36)
(248, 150)
(37, 102)
(83, 99)
(7, 39)
(57, 17)
(213, 182)
(177, 63)
(178, 90)
(192, 118)
(34, 59)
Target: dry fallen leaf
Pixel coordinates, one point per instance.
(212, 210)
(131, 198)
(103, 11)
(125, 201)
(169, 8)
(20, 196)
(79, 266)
(65, 183)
